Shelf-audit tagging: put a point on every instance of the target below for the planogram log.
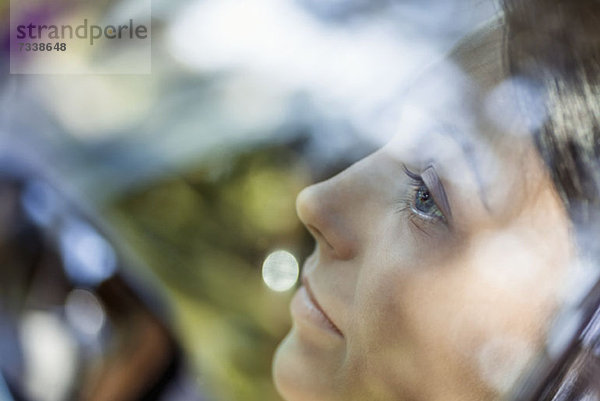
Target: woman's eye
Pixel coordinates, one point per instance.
(424, 203)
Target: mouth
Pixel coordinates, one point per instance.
(306, 308)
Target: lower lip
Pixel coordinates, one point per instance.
(304, 309)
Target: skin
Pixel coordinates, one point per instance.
(428, 308)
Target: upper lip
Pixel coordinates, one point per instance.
(311, 295)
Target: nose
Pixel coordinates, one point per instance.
(327, 212)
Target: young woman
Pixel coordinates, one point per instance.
(445, 261)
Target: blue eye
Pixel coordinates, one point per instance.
(421, 201)
(424, 203)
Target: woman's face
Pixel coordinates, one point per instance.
(439, 258)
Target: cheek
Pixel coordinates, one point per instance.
(390, 343)
(510, 292)
(466, 321)
(489, 310)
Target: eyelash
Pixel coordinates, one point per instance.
(408, 203)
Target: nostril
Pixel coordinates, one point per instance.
(319, 235)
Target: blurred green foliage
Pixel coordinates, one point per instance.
(205, 233)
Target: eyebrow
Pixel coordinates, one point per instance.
(470, 156)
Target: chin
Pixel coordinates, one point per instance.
(284, 365)
(301, 374)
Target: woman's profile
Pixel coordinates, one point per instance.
(444, 259)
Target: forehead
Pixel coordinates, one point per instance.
(455, 98)
(481, 55)
(457, 89)
(462, 114)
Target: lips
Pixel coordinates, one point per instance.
(306, 308)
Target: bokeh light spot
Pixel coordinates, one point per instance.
(280, 270)
(85, 313)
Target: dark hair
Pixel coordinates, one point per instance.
(555, 45)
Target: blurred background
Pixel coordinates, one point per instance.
(148, 239)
